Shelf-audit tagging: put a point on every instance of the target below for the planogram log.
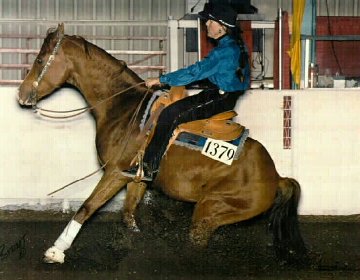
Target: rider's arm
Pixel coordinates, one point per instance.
(195, 72)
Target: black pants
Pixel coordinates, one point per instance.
(200, 106)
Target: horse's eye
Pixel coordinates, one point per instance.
(39, 60)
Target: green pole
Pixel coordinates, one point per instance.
(313, 30)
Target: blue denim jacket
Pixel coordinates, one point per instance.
(219, 67)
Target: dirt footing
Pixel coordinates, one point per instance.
(106, 249)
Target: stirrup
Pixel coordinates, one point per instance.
(139, 174)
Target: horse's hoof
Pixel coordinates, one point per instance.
(133, 226)
(131, 223)
(54, 255)
(200, 234)
(198, 242)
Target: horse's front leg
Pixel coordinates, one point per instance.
(109, 185)
(135, 193)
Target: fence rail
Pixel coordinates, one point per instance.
(88, 37)
(85, 22)
(33, 51)
(24, 52)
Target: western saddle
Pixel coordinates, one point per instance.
(219, 126)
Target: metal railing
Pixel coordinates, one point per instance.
(138, 64)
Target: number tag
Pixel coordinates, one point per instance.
(219, 150)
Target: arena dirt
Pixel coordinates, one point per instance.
(105, 249)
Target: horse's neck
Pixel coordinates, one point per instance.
(103, 81)
(98, 80)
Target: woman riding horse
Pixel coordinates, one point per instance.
(117, 99)
(226, 67)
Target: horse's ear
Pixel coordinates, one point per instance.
(60, 29)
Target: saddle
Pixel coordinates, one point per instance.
(219, 127)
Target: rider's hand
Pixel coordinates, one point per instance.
(152, 82)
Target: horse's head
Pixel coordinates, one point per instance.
(49, 70)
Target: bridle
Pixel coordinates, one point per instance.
(35, 84)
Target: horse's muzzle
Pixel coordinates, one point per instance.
(22, 102)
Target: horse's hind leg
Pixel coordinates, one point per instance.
(110, 184)
(135, 193)
(214, 211)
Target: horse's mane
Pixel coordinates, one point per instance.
(83, 43)
(88, 47)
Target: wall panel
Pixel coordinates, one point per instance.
(323, 155)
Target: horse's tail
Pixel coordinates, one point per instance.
(287, 241)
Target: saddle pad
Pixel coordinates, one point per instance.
(146, 115)
(196, 142)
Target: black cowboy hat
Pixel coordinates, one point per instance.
(223, 14)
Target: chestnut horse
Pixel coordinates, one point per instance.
(117, 97)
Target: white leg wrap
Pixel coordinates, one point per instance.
(68, 235)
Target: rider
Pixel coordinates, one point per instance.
(226, 67)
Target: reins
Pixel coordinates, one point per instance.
(123, 143)
(82, 110)
(79, 111)
(78, 180)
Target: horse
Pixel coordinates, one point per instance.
(221, 194)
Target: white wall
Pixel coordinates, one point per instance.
(40, 155)
(324, 157)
